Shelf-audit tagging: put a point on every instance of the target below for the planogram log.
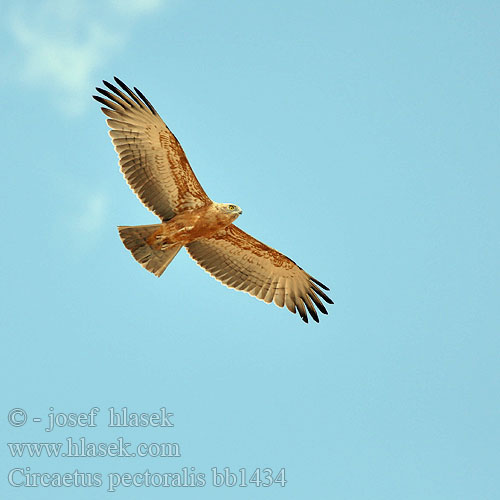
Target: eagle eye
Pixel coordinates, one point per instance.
(231, 207)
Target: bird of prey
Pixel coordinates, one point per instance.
(157, 170)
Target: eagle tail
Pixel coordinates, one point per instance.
(153, 255)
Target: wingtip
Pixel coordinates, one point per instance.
(303, 316)
(145, 100)
(320, 284)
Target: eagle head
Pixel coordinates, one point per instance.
(230, 209)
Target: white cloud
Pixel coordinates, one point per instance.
(64, 42)
(84, 208)
(93, 214)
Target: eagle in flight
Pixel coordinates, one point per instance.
(156, 168)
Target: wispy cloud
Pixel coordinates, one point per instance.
(93, 214)
(85, 216)
(62, 43)
(84, 208)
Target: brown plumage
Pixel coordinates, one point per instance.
(157, 170)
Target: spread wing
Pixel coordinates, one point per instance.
(151, 159)
(239, 261)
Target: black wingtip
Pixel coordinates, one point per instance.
(148, 104)
(120, 83)
(99, 99)
(320, 284)
(311, 310)
(125, 87)
(322, 294)
(113, 88)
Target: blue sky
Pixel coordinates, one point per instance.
(361, 139)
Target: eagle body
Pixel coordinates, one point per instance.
(157, 170)
(192, 225)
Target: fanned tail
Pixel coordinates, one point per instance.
(137, 239)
